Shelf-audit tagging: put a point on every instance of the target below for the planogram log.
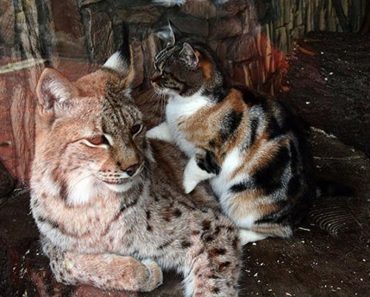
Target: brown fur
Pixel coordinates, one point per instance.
(100, 226)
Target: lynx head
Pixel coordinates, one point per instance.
(90, 137)
(184, 67)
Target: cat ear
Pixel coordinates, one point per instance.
(188, 54)
(167, 34)
(54, 90)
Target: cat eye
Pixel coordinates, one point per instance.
(98, 140)
(135, 129)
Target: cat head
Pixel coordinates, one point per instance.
(184, 67)
(90, 136)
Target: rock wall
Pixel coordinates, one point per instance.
(250, 37)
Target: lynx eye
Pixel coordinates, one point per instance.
(98, 140)
(135, 129)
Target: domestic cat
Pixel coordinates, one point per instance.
(109, 204)
(247, 145)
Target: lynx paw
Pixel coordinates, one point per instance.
(156, 275)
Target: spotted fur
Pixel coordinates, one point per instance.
(109, 205)
(247, 145)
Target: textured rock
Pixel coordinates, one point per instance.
(6, 181)
(191, 25)
(221, 28)
(7, 34)
(99, 35)
(69, 31)
(241, 48)
(328, 82)
(146, 14)
(200, 9)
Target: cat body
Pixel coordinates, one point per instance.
(108, 204)
(246, 145)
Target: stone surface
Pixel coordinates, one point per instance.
(328, 78)
(6, 181)
(69, 31)
(189, 24)
(225, 28)
(99, 35)
(241, 48)
(146, 15)
(7, 34)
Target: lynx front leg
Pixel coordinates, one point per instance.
(161, 132)
(105, 271)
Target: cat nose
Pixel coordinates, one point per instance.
(131, 170)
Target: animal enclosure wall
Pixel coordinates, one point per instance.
(251, 38)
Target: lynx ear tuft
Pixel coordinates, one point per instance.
(167, 34)
(121, 61)
(53, 89)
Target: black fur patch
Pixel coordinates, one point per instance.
(269, 177)
(254, 123)
(242, 186)
(185, 244)
(230, 123)
(208, 163)
(294, 186)
(279, 216)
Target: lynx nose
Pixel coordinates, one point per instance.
(132, 169)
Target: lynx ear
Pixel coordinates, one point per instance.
(121, 61)
(188, 55)
(54, 90)
(167, 34)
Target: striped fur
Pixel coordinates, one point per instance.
(247, 145)
(109, 205)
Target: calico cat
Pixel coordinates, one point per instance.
(247, 145)
(109, 205)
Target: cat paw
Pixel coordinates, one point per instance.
(161, 132)
(247, 236)
(189, 185)
(155, 275)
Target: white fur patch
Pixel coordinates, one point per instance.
(179, 107)
(246, 221)
(169, 3)
(60, 92)
(116, 63)
(119, 188)
(222, 182)
(247, 236)
(81, 189)
(193, 175)
(161, 132)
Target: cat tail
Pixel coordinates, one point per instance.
(330, 188)
(121, 60)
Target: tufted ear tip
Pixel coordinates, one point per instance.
(121, 61)
(53, 88)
